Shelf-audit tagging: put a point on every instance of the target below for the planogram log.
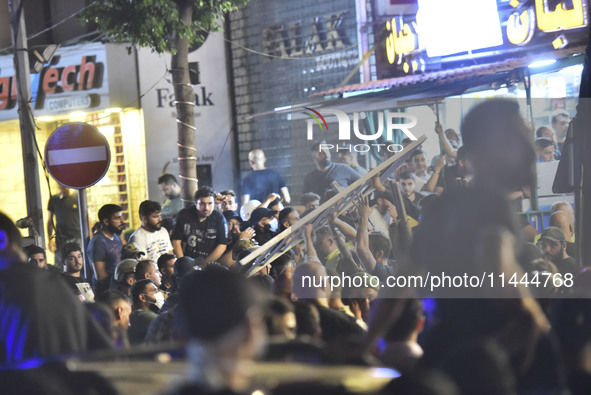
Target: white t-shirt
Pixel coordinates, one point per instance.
(153, 244)
(378, 222)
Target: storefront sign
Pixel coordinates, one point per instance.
(76, 78)
(70, 103)
(441, 34)
(295, 39)
(213, 142)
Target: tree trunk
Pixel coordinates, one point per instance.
(185, 108)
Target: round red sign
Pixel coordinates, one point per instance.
(77, 155)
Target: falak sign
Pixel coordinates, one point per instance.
(76, 79)
(443, 34)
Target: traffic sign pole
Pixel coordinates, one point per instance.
(84, 237)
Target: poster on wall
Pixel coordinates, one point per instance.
(212, 115)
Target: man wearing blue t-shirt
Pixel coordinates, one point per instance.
(262, 182)
(104, 249)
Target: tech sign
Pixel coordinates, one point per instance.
(75, 79)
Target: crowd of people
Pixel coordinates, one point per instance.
(178, 280)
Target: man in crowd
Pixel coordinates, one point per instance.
(560, 122)
(419, 162)
(449, 178)
(544, 150)
(553, 245)
(73, 262)
(547, 133)
(324, 247)
(262, 182)
(104, 249)
(288, 217)
(143, 296)
(172, 192)
(373, 248)
(350, 159)
(562, 220)
(383, 213)
(411, 196)
(166, 266)
(120, 306)
(151, 238)
(310, 201)
(64, 219)
(321, 178)
(200, 231)
(335, 324)
(221, 315)
(147, 269)
(124, 276)
(130, 251)
(402, 350)
(227, 201)
(36, 255)
(41, 318)
(260, 220)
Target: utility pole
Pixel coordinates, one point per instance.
(23, 84)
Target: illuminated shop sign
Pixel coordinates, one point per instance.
(84, 75)
(443, 34)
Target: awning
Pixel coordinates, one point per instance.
(455, 80)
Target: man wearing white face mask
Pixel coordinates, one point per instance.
(145, 297)
(263, 221)
(148, 269)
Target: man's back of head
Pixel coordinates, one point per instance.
(212, 303)
(498, 146)
(561, 220)
(10, 242)
(307, 281)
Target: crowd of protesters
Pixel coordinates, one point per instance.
(183, 284)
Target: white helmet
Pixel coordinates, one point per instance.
(248, 208)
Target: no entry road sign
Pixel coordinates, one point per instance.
(77, 155)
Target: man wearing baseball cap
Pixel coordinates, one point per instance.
(124, 276)
(260, 220)
(553, 245)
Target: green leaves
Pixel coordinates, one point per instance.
(154, 23)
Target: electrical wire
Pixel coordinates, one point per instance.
(59, 23)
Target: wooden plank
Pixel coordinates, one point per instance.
(269, 251)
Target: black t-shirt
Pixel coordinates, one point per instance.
(412, 208)
(567, 265)
(67, 220)
(336, 324)
(448, 179)
(199, 238)
(72, 281)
